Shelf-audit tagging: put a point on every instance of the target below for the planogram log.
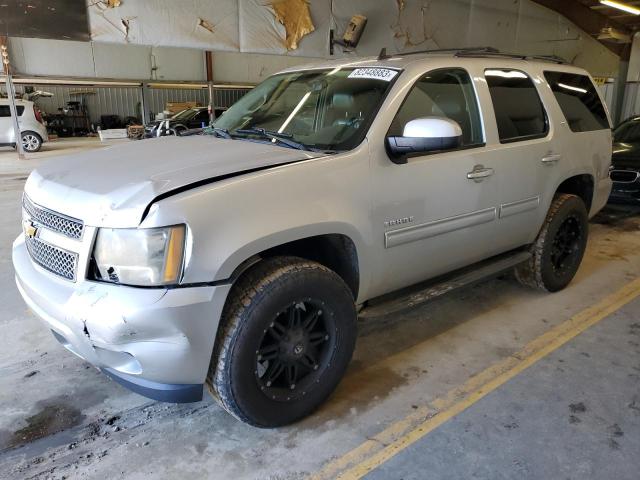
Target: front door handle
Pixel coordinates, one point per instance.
(551, 159)
(479, 173)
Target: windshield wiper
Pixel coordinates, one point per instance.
(284, 138)
(218, 132)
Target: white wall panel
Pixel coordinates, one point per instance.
(168, 23)
(250, 26)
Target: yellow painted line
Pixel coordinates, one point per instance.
(401, 434)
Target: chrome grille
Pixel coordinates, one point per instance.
(52, 220)
(56, 260)
(624, 176)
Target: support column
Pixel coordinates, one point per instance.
(620, 85)
(11, 94)
(208, 57)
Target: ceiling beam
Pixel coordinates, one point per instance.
(589, 20)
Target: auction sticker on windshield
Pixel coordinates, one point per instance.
(385, 74)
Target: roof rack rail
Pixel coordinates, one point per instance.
(499, 54)
(481, 52)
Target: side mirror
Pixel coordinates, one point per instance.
(424, 135)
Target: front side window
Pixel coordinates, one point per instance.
(520, 114)
(320, 109)
(579, 101)
(443, 93)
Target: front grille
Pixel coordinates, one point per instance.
(624, 176)
(56, 260)
(52, 220)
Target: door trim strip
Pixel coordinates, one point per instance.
(413, 233)
(521, 206)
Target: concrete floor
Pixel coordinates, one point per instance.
(62, 418)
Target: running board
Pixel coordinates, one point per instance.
(410, 297)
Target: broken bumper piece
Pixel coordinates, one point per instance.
(154, 341)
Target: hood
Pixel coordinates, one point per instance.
(113, 186)
(626, 155)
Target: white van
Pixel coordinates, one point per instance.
(32, 128)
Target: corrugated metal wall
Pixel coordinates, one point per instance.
(631, 100)
(158, 97)
(121, 101)
(125, 101)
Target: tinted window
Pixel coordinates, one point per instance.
(203, 116)
(519, 111)
(5, 110)
(443, 93)
(579, 101)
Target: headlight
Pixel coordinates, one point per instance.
(140, 256)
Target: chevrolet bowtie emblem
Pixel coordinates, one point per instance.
(29, 228)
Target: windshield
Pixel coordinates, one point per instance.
(186, 114)
(320, 109)
(628, 132)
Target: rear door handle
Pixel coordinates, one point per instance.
(479, 173)
(551, 159)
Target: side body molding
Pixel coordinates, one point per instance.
(413, 233)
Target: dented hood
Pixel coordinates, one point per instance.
(113, 186)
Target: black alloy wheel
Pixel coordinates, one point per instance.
(295, 350)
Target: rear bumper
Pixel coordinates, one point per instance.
(157, 342)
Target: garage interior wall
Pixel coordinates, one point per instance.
(155, 26)
(164, 40)
(632, 94)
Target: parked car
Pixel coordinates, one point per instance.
(239, 258)
(625, 169)
(196, 117)
(32, 128)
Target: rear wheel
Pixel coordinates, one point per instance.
(31, 142)
(559, 247)
(286, 337)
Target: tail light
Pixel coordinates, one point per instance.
(38, 115)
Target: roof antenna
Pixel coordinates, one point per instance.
(383, 54)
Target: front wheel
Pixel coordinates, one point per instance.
(286, 336)
(559, 247)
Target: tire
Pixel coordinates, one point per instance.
(31, 142)
(559, 247)
(286, 336)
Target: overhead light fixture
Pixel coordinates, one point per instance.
(621, 6)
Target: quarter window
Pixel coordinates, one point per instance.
(579, 101)
(443, 93)
(517, 105)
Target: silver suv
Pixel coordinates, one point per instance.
(240, 258)
(32, 128)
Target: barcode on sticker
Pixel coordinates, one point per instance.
(385, 74)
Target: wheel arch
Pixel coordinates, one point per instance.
(333, 248)
(581, 185)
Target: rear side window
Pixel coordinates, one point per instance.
(519, 111)
(5, 110)
(578, 101)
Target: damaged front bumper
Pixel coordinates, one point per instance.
(155, 341)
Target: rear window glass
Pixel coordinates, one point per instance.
(517, 105)
(579, 101)
(5, 110)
